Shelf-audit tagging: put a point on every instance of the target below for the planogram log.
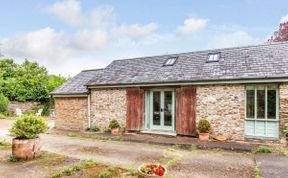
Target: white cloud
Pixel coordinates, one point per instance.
(284, 19)
(68, 10)
(90, 39)
(192, 25)
(236, 38)
(135, 31)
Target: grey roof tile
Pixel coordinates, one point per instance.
(76, 85)
(261, 61)
(250, 62)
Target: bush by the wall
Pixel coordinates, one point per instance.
(28, 127)
(4, 102)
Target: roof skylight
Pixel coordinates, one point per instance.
(170, 61)
(213, 57)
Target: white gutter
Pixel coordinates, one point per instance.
(89, 111)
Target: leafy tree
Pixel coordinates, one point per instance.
(3, 103)
(281, 34)
(27, 81)
(55, 81)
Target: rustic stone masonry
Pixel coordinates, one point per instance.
(71, 113)
(30, 107)
(108, 104)
(223, 106)
(283, 92)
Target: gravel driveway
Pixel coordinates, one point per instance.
(127, 155)
(180, 163)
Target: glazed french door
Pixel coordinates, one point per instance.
(162, 109)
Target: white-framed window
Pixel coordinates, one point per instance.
(213, 57)
(170, 61)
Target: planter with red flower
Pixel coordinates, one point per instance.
(204, 128)
(114, 126)
(152, 170)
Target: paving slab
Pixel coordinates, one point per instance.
(272, 165)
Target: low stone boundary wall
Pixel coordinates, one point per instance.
(30, 107)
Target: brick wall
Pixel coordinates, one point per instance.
(223, 106)
(108, 104)
(71, 113)
(283, 92)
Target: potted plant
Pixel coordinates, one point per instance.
(152, 170)
(26, 144)
(204, 129)
(114, 126)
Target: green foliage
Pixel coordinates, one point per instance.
(28, 127)
(71, 134)
(74, 168)
(27, 81)
(257, 172)
(104, 174)
(264, 149)
(5, 143)
(285, 131)
(3, 103)
(13, 159)
(55, 81)
(93, 129)
(174, 161)
(114, 124)
(204, 126)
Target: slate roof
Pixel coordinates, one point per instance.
(76, 85)
(250, 62)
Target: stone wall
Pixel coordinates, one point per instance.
(30, 107)
(108, 104)
(71, 113)
(283, 115)
(223, 106)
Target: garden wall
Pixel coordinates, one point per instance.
(30, 107)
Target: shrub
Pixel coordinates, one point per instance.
(71, 134)
(4, 102)
(204, 126)
(104, 174)
(93, 129)
(264, 149)
(114, 124)
(286, 131)
(5, 143)
(28, 127)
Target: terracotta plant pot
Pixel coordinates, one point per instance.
(203, 137)
(115, 131)
(26, 148)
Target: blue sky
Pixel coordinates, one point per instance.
(68, 36)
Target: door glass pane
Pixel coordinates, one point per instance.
(156, 108)
(261, 104)
(168, 108)
(271, 101)
(250, 103)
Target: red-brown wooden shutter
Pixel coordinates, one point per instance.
(135, 108)
(186, 110)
